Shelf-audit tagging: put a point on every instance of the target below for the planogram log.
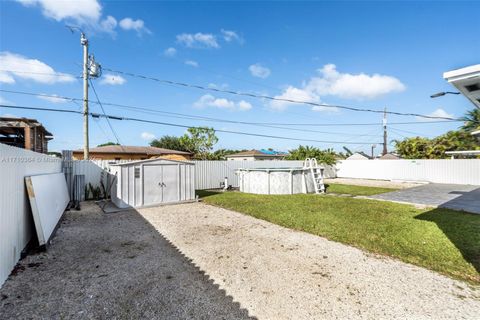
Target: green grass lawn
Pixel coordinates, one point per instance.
(355, 190)
(439, 239)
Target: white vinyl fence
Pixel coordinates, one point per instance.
(454, 171)
(208, 174)
(16, 223)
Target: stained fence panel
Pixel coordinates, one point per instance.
(454, 171)
(16, 223)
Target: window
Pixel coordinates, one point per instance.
(137, 172)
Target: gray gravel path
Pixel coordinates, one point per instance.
(195, 261)
(277, 273)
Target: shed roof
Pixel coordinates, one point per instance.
(151, 151)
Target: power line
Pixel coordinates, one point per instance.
(179, 125)
(409, 132)
(181, 115)
(103, 110)
(260, 96)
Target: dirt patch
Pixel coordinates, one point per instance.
(114, 266)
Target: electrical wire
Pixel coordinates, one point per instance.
(103, 110)
(261, 96)
(178, 125)
(180, 115)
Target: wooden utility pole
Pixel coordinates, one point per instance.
(84, 42)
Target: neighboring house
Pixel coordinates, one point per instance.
(359, 156)
(24, 133)
(254, 155)
(389, 156)
(117, 152)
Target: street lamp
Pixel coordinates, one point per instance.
(440, 94)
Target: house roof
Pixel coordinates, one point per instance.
(156, 160)
(359, 156)
(254, 153)
(9, 124)
(389, 156)
(467, 81)
(151, 151)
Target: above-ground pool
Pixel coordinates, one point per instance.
(277, 180)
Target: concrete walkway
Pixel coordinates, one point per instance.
(451, 196)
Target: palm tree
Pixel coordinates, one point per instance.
(472, 120)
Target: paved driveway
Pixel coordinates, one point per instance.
(452, 196)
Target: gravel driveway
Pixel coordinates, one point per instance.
(198, 261)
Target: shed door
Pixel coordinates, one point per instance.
(152, 184)
(170, 183)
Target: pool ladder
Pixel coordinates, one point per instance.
(317, 174)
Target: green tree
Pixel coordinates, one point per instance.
(109, 143)
(424, 148)
(327, 156)
(199, 141)
(169, 142)
(221, 154)
(471, 120)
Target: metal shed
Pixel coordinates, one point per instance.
(152, 182)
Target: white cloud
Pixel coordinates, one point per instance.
(85, 13)
(198, 40)
(229, 36)
(292, 93)
(80, 11)
(437, 113)
(259, 71)
(147, 136)
(53, 99)
(112, 79)
(342, 85)
(353, 86)
(221, 103)
(137, 25)
(108, 24)
(29, 69)
(170, 52)
(244, 105)
(191, 63)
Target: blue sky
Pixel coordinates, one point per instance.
(374, 54)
